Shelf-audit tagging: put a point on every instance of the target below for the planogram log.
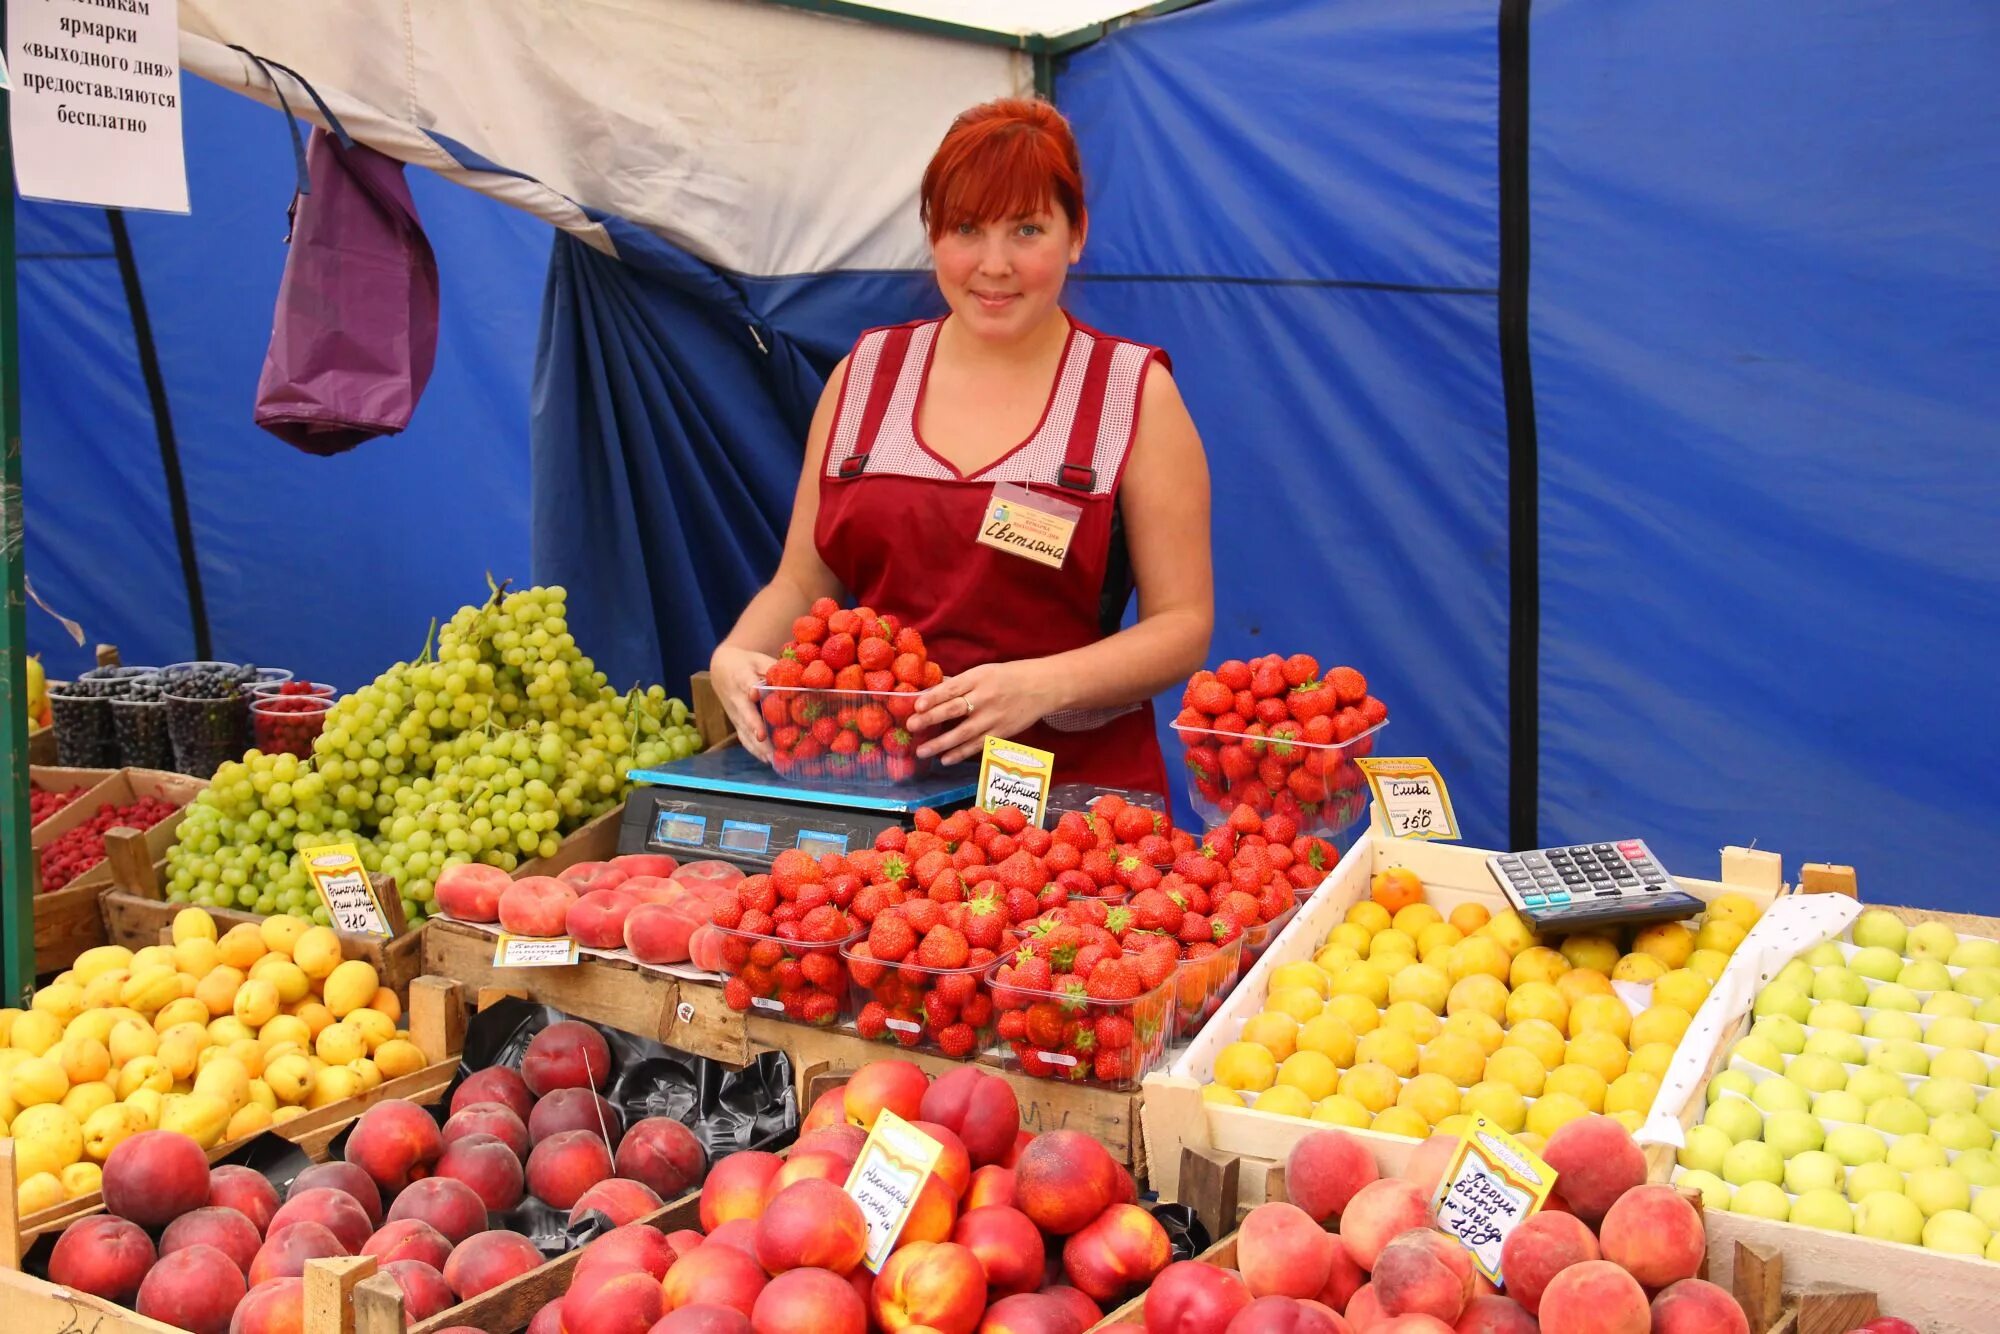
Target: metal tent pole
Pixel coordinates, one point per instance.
(17, 862)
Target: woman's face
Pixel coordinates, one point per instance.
(1004, 278)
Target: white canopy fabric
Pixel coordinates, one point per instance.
(765, 139)
(1016, 18)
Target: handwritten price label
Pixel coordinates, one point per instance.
(1011, 774)
(534, 951)
(1412, 796)
(343, 885)
(894, 1164)
(1492, 1185)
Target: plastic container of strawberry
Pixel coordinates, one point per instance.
(845, 736)
(945, 1010)
(803, 982)
(1201, 985)
(1257, 939)
(1319, 785)
(1079, 1039)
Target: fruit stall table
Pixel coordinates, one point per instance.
(1174, 1113)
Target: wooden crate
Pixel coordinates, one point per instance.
(1174, 1115)
(68, 921)
(436, 1025)
(55, 778)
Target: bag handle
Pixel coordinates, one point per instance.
(339, 131)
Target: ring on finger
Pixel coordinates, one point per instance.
(967, 700)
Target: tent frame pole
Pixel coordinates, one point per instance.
(17, 861)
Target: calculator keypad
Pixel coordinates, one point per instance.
(1591, 883)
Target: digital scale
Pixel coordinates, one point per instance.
(730, 805)
(1591, 885)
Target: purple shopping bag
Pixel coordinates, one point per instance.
(355, 330)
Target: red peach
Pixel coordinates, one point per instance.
(932, 1216)
(409, 1239)
(105, 1256)
(1022, 1140)
(446, 1203)
(1417, 1323)
(344, 1177)
(1595, 1297)
(1325, 1170)
(735, 1187)
(1030, 1313)
(535, 905)
(1081, 1307)
(1597, 1161)
(597, 920)
(489, 1118)
(1194, 1298)
(703, 1318)
(548, 1320)
(1008, 1246)
(1494, 1314)
(978, 1107)
(576, 1109)
(154, 1177)
(1423, 1272)
(488, 1166)
(633, 1246)
(471, 891)
(811, 1225)
(245, 1190)
(1286, 1315)
(1363, 1311)
(488, 1259)
(1063, 1180)
(740, 1233)
(809, 1301)
(335, 1210)
(809, 1165)
(936, 1284)
(1379, 1212)
(225, 1229)
(394, 1142)
(649, 863)
(274, 1307)
(1127, 1191)
(843, 1140)
(954, 1164)
(564, 1166)
(285, 1252)
(991, 1185)
(1123, 1248)
(1281, 1251)
(896, 1085)
(686, 1239)
(425, 1293)
(496, 1083)
(1694, 1306)
(722, 1275)
(829, 1109)
(1543, 1246)
(622, 1304)
(661, 929)
(1654, 1235)
(1426, 1166)
(619, 1200)
(566, 1055)
(1343, 1278)
(664, 1155)
(197, 1289)
(587, 878)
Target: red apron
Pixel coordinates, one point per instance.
(898, 527)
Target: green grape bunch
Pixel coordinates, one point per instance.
(495, 742)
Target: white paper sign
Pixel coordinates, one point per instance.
(534, 951)
(97, 102)
(1412, 795)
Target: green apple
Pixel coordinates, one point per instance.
(1893, 1026)
(1767, 1199)
(1840, 1047)
(1715, 1192)
(1877, 928)
(1880, 965)
(1938, 1095)
(1890, 1217)
(1704, 1149)
(1969, 1067)
(1783, 998)
(1975, 952)
(1913, 1153)
(1758, 1050)
(1986, 1207)
(1871, 1178)
(1836, 983)
(1839, 1105)
(1982, 984)
(1826, 1209)
(1931, 940)
(1956, 1034)
(1816, 1072)
(1936, 1189)
(1730, 1081)
(1925, 975)
(1793, 1133)
(1950, 1003)
(1797, 973)
(1979, 1168)
(1752, 1160)
(1782, 1031)
(1961, 1131)
(1871, 1084)
(1904, 1057)
(1781, 1095)
(1835, 1016)
(1815, 1169)
(1956, 1232)
(1825, 954)
(1737, 1118)
(1856, 1145)
(1898, 1116)
(1894, 996)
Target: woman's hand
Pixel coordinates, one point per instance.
(1001, 699)
(737, 672)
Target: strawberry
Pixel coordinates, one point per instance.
(1273, 711)
(1211, 697)
(984, 922)
(785, 673)
(1157, 964)
(957, 1040)
(1115, 1067)
(923, 914)
(819, 1008)
(1021, 905)
(873, 1021)
(1267, 679)
(862, 965)
(1153, 910)
(942, 947)
(1113, 1033)
(954, 989)
(736, 994)
(891, 937)
(1299, 669)
(1194, 927)
(1373, 711)
(817, 676)
(1245, 819)
(824, 923)
(1314, 699)
(948, 887)
(1349, 685)
(1012, 1025)
(1136, 822)
(1100, 866)
(1195, 685)
(1113, 979)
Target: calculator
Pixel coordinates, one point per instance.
(1591, 886)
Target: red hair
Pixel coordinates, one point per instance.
(1003, 159)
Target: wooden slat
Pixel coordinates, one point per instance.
(1759, 1284)
(35, 1306)
(1835, 1310)
(378, 1306)
(1208, 1186)
(329, 1289)
(1939, 1293)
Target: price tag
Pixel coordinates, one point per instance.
(344, 887)
(894, 1164)
(534, 951)
(1011, 774)
(1412, 796)
(1492, 1184)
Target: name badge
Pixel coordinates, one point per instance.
(1021, 523)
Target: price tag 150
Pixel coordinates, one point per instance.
(1492, 1184)
(1412, 796)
